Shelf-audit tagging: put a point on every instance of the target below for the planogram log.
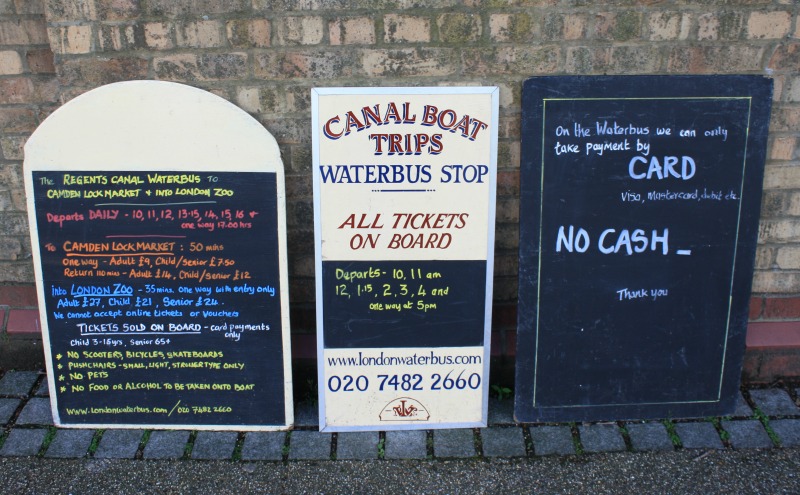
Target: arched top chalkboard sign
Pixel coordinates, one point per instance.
(157, 215)
(152, 125)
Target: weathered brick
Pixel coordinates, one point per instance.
(793, 201)
(459, 28)
(406, 29)
(40, 61)
(10, 63)
(17, 120)
(769, 25)
(203, 67)
(765, 257)
(120, 37)
(247, 33)
(575, 26)
(16, 90)
(117, 10)
(783, 148)
(199, 34)
(788, 258)
(12, 146)
(781, 177)
(785, 118)
(159, 35)
(70, 10)
(707, 27)
(587, 59)
(194, 8)
(512, 60)
(10, 248)
(785, 57)
(779, 230)
(634, 59)
(305, 64)
(96, 71)
(28, 6)
(306, 30)
(775, 282)
(618, 26)
(708, 59)
(408, 62)
(23, 32)
(517, 27)
(352, 31)
(71, 40)
(273, 99)
(668, 26)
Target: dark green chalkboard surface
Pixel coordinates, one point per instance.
(639, 209)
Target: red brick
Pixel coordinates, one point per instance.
(96, 71)
(17, 296)
(786, 57)
(508, 183)
(17, 120)
(40, 61)
(773, 352)
(23, 321)
(781, 308)
(16, 90)
(504, 316)
(756, 307)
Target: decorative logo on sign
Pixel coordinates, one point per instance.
(404, 409)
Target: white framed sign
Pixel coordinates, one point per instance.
(404, 212)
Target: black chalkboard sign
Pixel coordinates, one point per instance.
(639, 209)
(161, 304)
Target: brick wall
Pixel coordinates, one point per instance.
(266, 55)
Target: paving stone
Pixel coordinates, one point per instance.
(601, 438)
(264, 445)
(411, 444)
(119, 444)
(36, 412)
(7, 408)
(23, 442)
(649, 436)
(70, 444)
(454, 443)
(42, 390)
(166, 444)
(774, 402)
(747, 434)
(701, 435)
(503, 442)
(306, 414)
(357, 445)
(550, 440)
(214, 445)
(501, 412)
(742, 407)
(788, 431)
(18, 383)
(310, 445)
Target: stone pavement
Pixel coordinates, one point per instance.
(764, 419)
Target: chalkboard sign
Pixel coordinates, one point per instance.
(404, 188)
(639, 210)
(162, 291)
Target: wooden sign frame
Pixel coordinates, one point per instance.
(404, 207)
